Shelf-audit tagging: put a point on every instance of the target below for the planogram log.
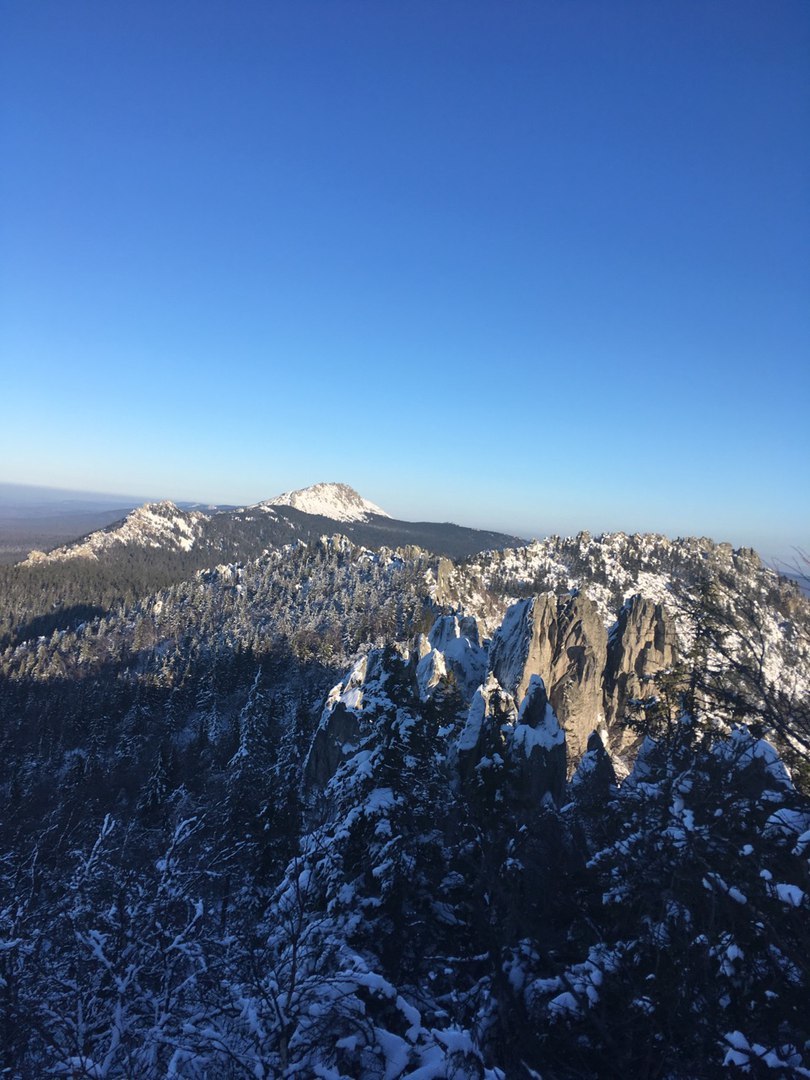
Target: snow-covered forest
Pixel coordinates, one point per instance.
(333, 812)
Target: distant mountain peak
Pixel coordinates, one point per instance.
(153, 525)
(337, 501)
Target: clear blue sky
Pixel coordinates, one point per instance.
(534, 265)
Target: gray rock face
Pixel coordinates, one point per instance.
(537, 748)
(641, 644)
(580, 655)
(340, 728)
(550, 659)
(444, 578)
(523, 644)
(347, 714)
(564, 641)
(590, 681)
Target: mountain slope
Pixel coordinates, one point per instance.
(243, 533)
(160, 544)
(159, 525)
(598, 619)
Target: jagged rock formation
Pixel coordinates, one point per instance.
(346, 718)
(487, 731)
(558, 643)
(443, 590)
(522, 644)
(330, 744)
(439, 902)
(537, 748)
(551, 653)
(563, 640)
(451, 653)
(491, 715)
(576, 674)
(642, 644)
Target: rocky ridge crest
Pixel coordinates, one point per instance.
(535, 693)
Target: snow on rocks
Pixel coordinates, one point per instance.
(537, 725)
(337, 501)
(612, 568)
(482, 742)
(563, 640)
(537, 747)
(451, 648)
(153, 525)
(511, 648)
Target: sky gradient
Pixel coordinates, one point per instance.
(532, 266)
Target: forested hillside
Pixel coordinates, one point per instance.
(346, 813)
(158, 545)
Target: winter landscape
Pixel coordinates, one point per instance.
(348, 809)
(481, 750)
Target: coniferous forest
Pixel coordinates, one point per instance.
(324, 813)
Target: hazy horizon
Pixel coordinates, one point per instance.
(785, 558)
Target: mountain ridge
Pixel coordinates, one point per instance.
(243, 532)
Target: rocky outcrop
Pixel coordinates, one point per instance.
(339, 729)
(483, 738)
(524, 644)
(548, 681)
(642, 644)
(345, 718)
(444, 580)
(591, 680)
(498, 741)
(565, 642)
(451, 656)
(575, 681)
(537, 749)
(431, 673)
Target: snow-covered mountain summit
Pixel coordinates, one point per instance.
(337, 501)
(153, 525)
(188, 539)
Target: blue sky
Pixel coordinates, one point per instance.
(539, 266)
